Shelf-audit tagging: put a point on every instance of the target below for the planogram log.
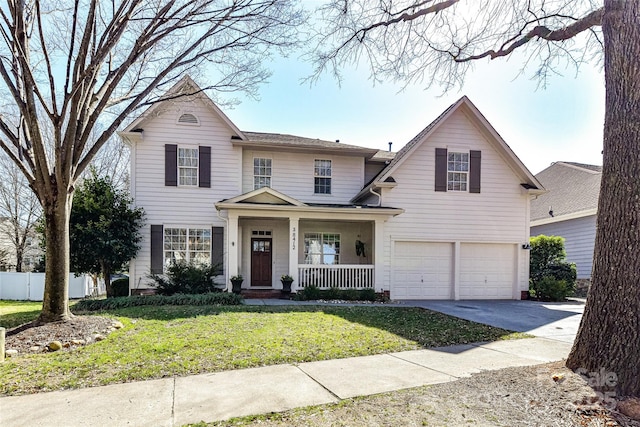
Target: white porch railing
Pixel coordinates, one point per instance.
(336, 276)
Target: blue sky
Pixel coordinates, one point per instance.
(562, 122)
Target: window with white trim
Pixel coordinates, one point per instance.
(261, 173)
(191, 245)
(321, 248)
(322, 177)
(457, 171)
(187, 166)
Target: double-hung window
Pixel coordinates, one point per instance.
(322, 177)
(457, 171)
(321, 248)
(261, 173)
(187, 166)
(191, 245)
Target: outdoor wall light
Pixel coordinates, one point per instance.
(526, 246)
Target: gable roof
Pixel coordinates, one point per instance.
(264, 195)
(573, 192)
(528, 181)
(288, 142)
(185, 84)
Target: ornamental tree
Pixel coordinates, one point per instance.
(72, 72)
(104, 228)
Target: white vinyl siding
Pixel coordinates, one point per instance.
(172, 205)
(293, 175)
(500, 214)
(580, 238)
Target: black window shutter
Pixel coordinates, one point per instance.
(171, 165)
(441, 169)
(217, 245)
(204, 167)
(156, 249)
(474, 171)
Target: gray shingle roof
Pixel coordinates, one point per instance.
(573, 187)
(302, 142)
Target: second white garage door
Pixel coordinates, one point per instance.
(422, 270)
(487, 271)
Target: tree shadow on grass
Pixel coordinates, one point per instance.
(12, 320)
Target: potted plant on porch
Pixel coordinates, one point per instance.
(286, 283)
(236, 282)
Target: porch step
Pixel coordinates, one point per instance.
(264, 294)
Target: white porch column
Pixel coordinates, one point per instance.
(232, 247)
(294, 236)
(378, 256)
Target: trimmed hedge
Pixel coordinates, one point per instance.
(310, 293)
(217, 298)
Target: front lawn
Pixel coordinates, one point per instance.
(182, 340)
(14, 313)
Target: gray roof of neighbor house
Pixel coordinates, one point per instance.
(299, 142)
(573, 188)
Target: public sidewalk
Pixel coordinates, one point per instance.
(210, 397)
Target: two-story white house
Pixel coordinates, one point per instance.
(447, 217)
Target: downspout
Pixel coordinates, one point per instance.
(376, 194)
(226, 255)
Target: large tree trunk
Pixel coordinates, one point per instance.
(55, 306)
(608, 339)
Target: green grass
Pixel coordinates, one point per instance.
(165, 341)
(14, 313)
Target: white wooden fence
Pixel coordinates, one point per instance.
(30, 286)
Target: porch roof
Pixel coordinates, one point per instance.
(269, 200)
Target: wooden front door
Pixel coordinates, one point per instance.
(261, 261)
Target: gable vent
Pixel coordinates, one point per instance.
(188, 119)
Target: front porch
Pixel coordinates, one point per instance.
(322, 246)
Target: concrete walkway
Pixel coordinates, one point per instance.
(218, 396)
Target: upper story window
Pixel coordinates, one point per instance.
(321, 248)
(322, 177)
(261, 173)
(191, 245)
(188, 166)
(457, 171)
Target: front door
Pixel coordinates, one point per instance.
(260, 261)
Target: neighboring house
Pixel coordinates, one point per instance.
(445, 218)
(569, 210)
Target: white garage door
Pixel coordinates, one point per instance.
(422, 270)
(487, 271)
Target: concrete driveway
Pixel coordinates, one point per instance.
(554, 320)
